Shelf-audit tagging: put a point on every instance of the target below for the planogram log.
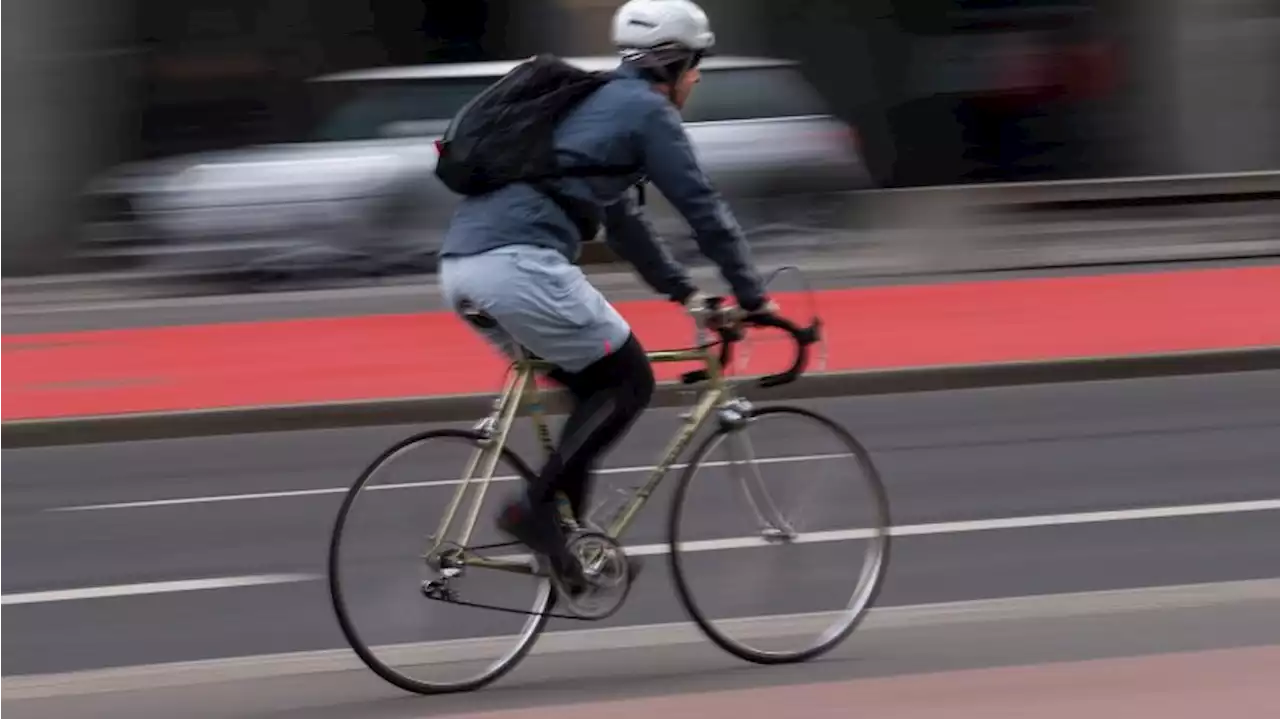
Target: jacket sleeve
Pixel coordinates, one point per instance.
(672, 167)
(629, 234)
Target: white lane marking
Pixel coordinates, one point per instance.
(713, 545)
(210, 499)
(965, 526)
(1004, 609)
(128, 590)
(981, 525)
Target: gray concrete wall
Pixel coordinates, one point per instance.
(1205, 95)
(1226, 92)
(66, 106)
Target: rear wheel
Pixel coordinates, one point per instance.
(394, 595)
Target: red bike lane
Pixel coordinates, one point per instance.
(376, 357)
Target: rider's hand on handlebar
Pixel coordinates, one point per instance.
(768, 308)
(700, 308)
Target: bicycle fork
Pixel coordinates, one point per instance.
(735, 416)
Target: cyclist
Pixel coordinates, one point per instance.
(507, 260)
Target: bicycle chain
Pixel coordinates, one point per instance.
(509, 610)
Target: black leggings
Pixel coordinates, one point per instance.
(608, 396)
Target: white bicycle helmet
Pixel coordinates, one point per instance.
(660, 34)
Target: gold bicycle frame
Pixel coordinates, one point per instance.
(521, 389)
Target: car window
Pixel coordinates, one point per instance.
(366, 111)
(372, 110)
(752, 92)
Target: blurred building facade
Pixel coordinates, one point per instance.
(946, 91)
(941, 91)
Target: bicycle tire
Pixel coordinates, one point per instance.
(870, 592)
(528, 637)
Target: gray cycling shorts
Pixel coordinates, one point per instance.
(540, 300)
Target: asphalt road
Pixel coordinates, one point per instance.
(1053, 452)
(984, 659)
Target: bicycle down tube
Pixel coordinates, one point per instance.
(521, 390)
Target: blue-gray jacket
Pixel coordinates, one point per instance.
(623, 123)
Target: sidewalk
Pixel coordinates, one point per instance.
(387, 356)
(1186, 685)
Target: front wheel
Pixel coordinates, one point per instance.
(733, 541)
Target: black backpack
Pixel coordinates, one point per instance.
(505, 135)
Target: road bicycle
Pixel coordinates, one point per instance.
(450, 558)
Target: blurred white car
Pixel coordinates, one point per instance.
(359, 197)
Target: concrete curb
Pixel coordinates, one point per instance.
(450, 408)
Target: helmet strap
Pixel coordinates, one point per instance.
(669, 74)
(674, 82)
